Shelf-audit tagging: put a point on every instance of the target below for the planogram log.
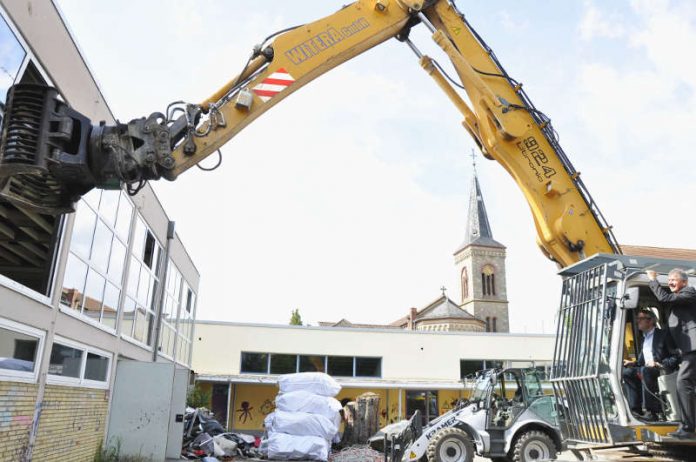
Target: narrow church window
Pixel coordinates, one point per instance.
(488, 280)
(494, 328)
(488, 324)
(465, 285)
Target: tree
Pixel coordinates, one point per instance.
(296, 319)
(198, 397)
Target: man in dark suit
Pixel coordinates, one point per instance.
(656, 352)
(681, 300)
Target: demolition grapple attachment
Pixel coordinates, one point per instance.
(51, 155)
(43, 152)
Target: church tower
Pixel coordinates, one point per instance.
(480, 263)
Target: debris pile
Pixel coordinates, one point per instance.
(357, 454)
(306, 419)
(204, 437)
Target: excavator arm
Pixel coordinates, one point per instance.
(50, 154)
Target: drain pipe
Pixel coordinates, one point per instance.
(162, 290)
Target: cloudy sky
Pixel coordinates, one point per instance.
(348, 199)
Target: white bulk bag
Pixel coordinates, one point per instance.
(305, 401)
(303, 424)
(287, 447)
(314, 382)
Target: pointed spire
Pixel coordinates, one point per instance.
(478, 229)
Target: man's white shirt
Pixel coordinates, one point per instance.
(647, 346)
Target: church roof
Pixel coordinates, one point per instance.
(443, 308)
(346, 323)
(478, 229)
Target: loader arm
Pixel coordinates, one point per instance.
(77, 156)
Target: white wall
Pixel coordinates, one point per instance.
(217, 347)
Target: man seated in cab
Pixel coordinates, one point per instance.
(656, 353)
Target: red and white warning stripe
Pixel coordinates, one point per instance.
(273, 84)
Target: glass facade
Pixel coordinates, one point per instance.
(109, 236)
(11, 58)
(143, 281)
(94, 271)
(170, 310)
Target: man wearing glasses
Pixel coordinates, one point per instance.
(655, 354)
(681, 301)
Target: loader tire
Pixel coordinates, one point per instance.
(451, 445)
(534, 445)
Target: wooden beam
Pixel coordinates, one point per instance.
(33, 248)
(9, 257)
(7, 231)
(38, 219)
(34, 233)
(24, 254)
(20, 270)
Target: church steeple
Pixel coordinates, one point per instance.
(478, 229)
(480, 262)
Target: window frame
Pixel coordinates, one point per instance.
(103, 273)
(23, 376)
(52, 379)
(298, 356)
(156, 275)
(190, 319)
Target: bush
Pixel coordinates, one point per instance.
(198, 397)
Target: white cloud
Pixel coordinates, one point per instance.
(598, 24)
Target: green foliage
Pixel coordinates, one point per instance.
(113, 454)
(198, 397)
(296, 319)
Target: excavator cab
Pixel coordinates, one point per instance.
(596, 332)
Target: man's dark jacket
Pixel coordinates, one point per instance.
(682, 315)
(662, 350)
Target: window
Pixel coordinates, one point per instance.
(286, 363)
(465, 284)
(94, 270)
(494, 325)
(65, 361)
(423, 401)
(170, 310)
(283, 364)
(488, 280)
(311, 363)
(11, 58)
(20, 351)
(185, 325)
(72, 363)
(254, 363)
(467, 367)
(341, 366)
(141, 288)
(368, 367)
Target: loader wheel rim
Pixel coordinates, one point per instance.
(536, 450)
(452, 450)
